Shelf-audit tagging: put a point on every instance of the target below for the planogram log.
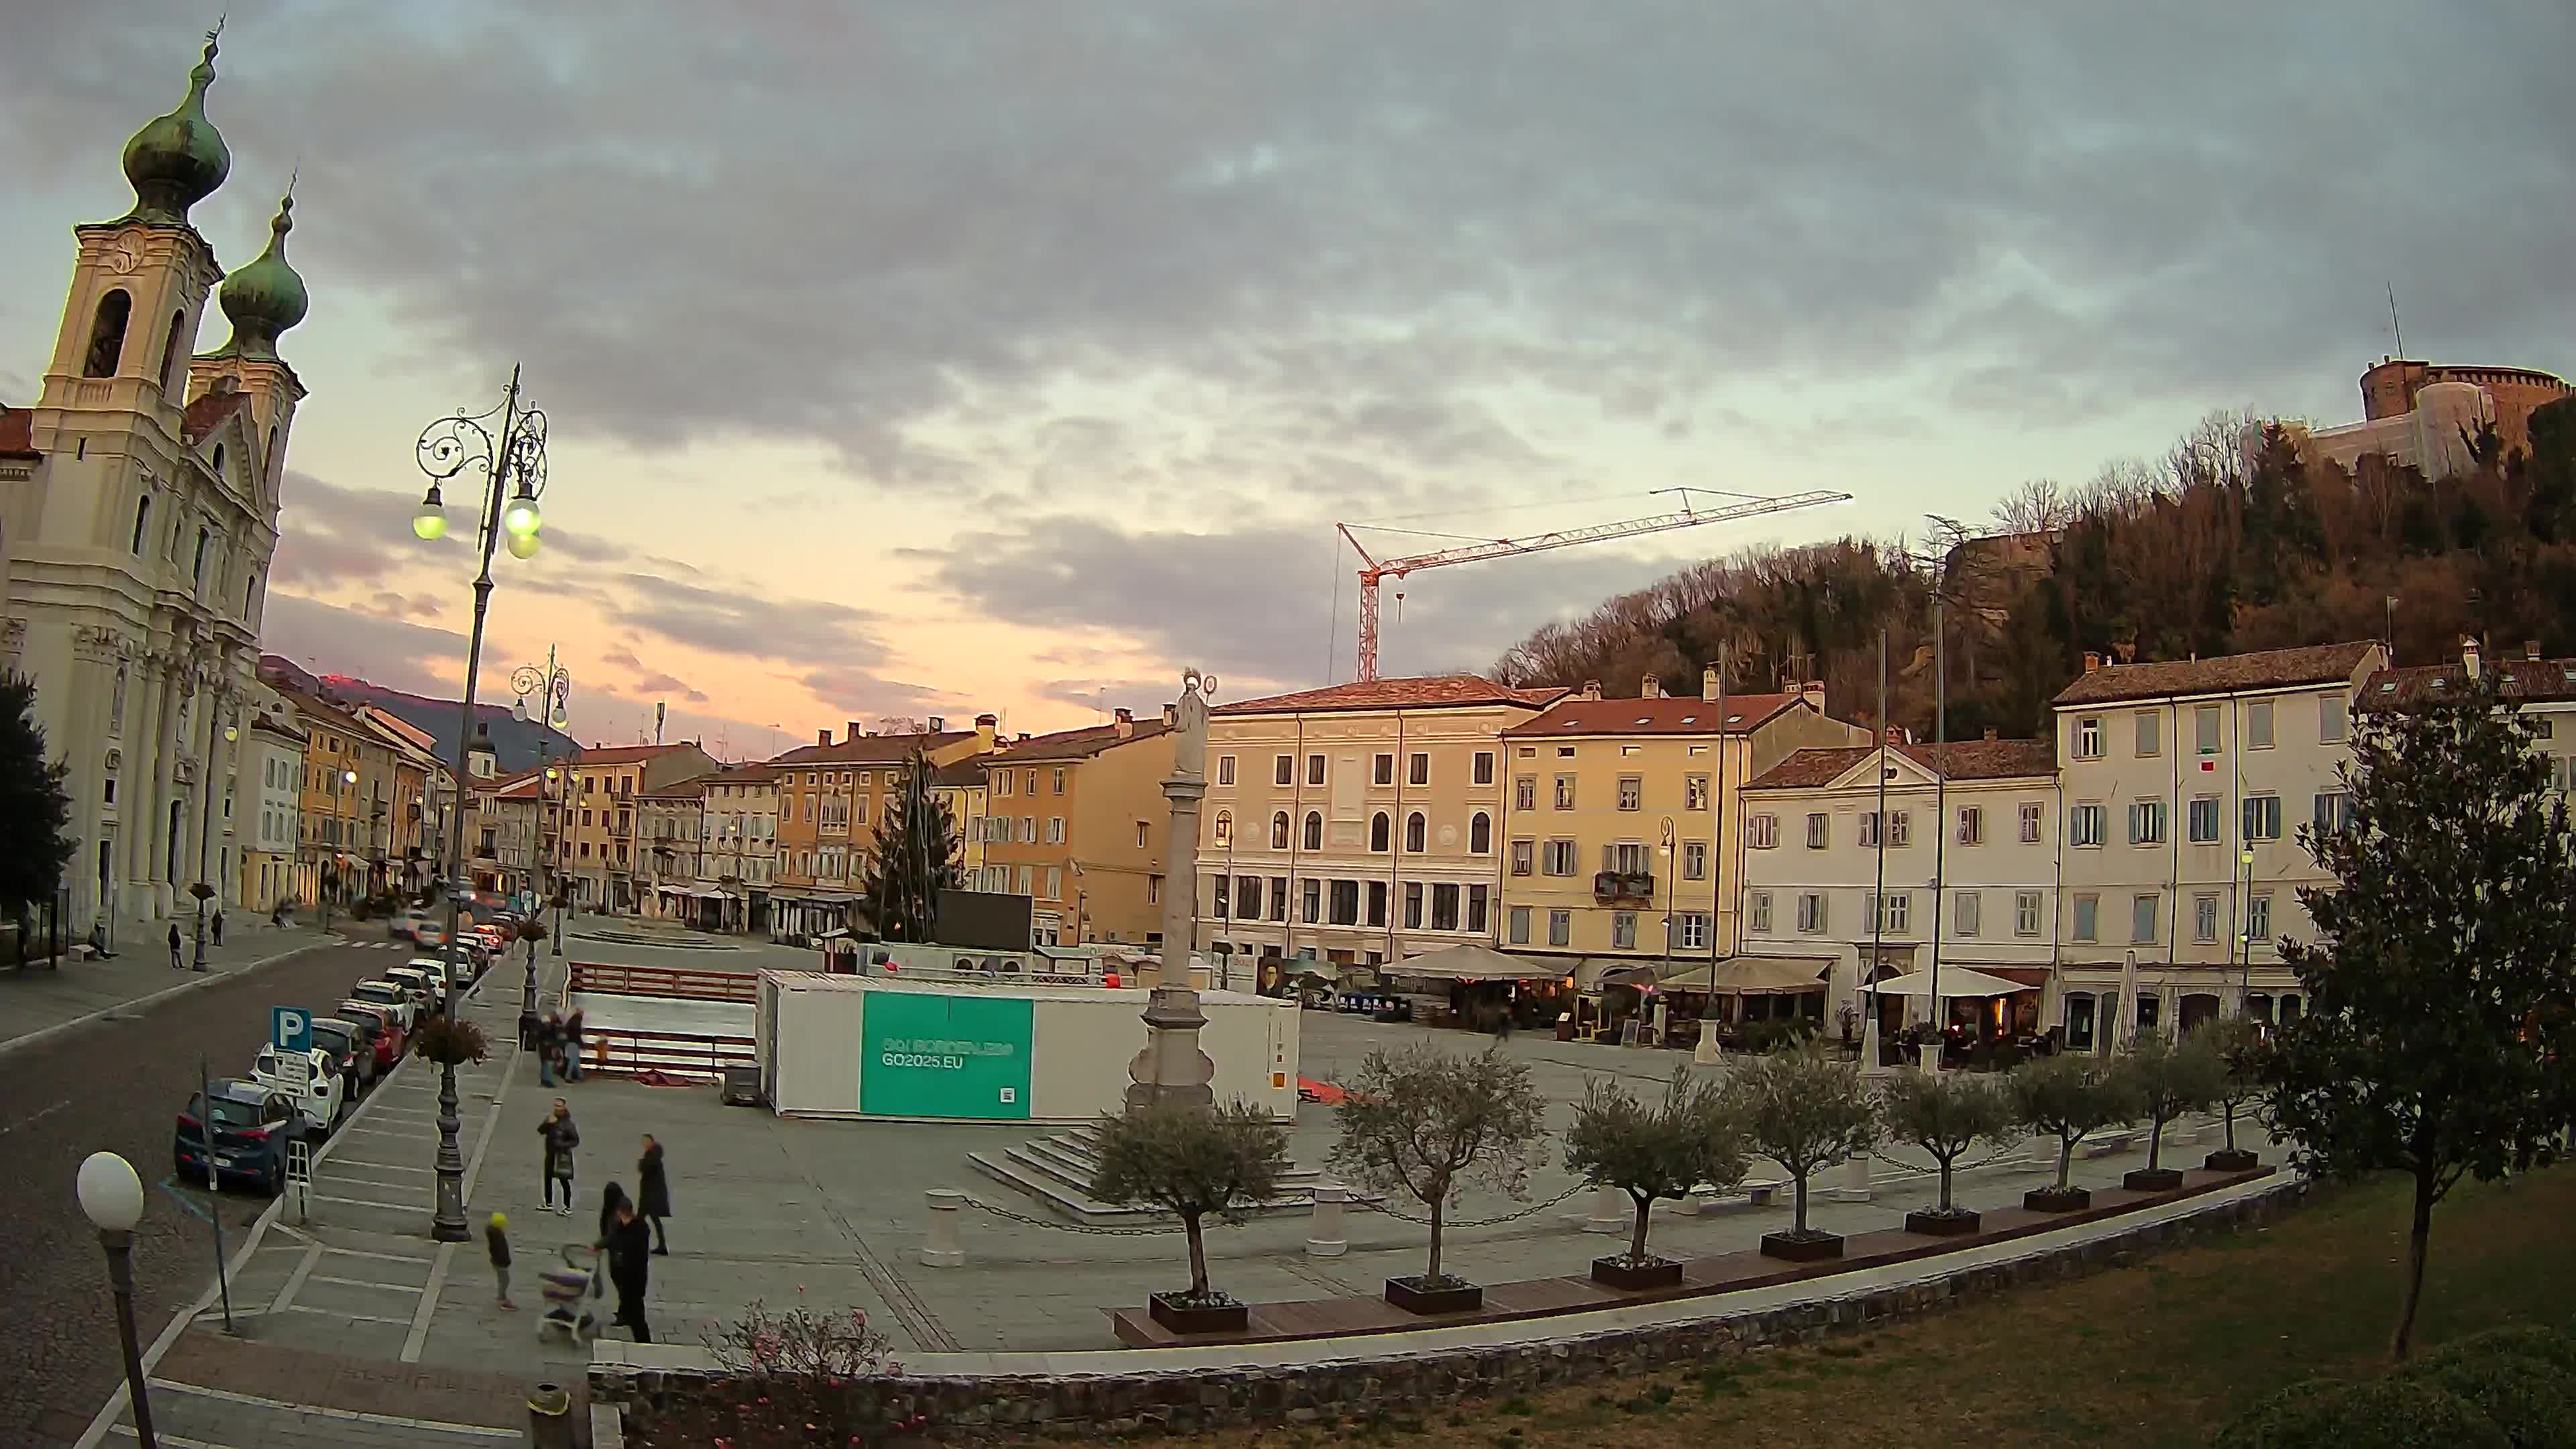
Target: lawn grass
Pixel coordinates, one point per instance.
(2162, 1353)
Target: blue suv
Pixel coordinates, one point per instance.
(252, 1125)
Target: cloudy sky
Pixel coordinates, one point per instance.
(926, 358)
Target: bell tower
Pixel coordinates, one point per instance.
(262, 301)
(139, 284)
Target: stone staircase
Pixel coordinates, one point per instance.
(1057, 1172)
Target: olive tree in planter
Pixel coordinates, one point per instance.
(1806, 1111)
(1650, 1151)
(1192, 1163)
(1946, 1114)
(2165, 1080)
(2068, 1097)
(2242, 1050)
(1425, 1123)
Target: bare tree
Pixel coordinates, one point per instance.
(1425, 1122)
(1655, 1150)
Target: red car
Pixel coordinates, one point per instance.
(390, 1041)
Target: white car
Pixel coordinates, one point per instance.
(406, 923)
(391, 996)
(436, 970)
(320, 1099)
(423, 985)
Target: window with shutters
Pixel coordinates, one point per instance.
(2262, 817)
(2084, 825)
(1819, 831)
(1525, 792)
(1762, 832)
(2258, 725)
(1518, 924)
(2026, 913)
(1694, 792)
(1694, 860)
(1565, 792)
(1972, 825)
(2146, 822)
(2204, 820)
(1556, 857)
(1524, 857)
(1560, 928)
(2142, 918)
(1632, 792)
(1967, 913)
(1623, 930)
(2088, 737)
(2088, 918)
(1757, 912)
(2032, 813)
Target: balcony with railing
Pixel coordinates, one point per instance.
(1623, 886)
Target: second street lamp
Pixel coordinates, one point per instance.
(514, 468)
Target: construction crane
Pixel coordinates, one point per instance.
(1375, 570)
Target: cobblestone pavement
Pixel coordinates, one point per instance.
(119, 1084)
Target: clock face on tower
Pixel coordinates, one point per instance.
(125, 256)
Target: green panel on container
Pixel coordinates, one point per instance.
(945, 1056)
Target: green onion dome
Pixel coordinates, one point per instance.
(179, 159)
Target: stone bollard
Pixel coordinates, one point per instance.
(940, 1247)
(1325, 1235)
(549, 1417)
(1611, 1212)
(1855, 1186)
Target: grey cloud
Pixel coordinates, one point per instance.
(753, 625)
(329, 639)
(1351, 226)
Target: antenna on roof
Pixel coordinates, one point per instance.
(2398, 332)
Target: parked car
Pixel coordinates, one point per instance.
(424, 986)
(431, 935)
(389, 1040)
(353, 1042)
(323, 1094)
(437, 968)
(387, 993)
(252, 1124)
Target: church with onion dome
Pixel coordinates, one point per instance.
(138, 515)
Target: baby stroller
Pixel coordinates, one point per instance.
(568, 1291)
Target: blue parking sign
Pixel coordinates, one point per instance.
(290, 1029)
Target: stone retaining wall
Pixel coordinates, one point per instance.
(1419, 1380)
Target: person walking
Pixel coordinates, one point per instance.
(219, 928)
(548, 1030)
(561, 1137)
(176, 964)
(572, 1046)
(630, 1261)
(611, 1198)
(653, 1194)
(496, 1237)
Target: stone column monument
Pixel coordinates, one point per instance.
(1172, 1069)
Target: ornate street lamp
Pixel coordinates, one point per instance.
(513, 465)
(111, 1197)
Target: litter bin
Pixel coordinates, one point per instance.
(549, 1417)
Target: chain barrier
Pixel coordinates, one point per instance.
(1446, 1224)
(1091, 1228)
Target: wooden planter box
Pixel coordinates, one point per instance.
(1409, 1295)
(1198, 1318)
(1942, 1225)
(1811, 1249)
(2152, 1179)
(1618, 1272)
(2231, 1159)
(2051, 1200)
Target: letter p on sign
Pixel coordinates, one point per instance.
(290, 1029)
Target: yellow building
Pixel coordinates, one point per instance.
(1358, 824)
(962, 788)
(1622, 835)
(1077, 822)
(606, 868)
(340, 757)
(832, 803)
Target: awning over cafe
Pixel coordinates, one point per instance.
(1955, 981)
(1474, 963)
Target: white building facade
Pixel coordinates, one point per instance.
(138, 517)
(267, 810)
(1961, 867)
(2185, 784)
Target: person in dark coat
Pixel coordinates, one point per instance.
(572, 1046)
(611, 1198)
(175, 963)
(630, 1258)
(653, 1194)
(561, 1137)
(219, 928)
(548, 1032)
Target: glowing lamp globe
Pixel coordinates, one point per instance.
(521, 517)
(429, 524)
(111, 1196)
(523, 545)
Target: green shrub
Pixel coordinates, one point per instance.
(2395, 1413)
(2526, 1398)
(2514, 1340)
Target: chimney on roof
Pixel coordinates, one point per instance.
(2531, 649)
(1651, 687)
(938, 724)
(2092, 662)
(1023, 738)
(856, 732)
(1895, 734)
(1813, 692)
(986, 726)
(1123, 721)
(1591, 689)
(2469, 655)
(1708, 686)
(1990, 732)
(822, 737)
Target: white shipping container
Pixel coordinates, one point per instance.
(971, 1051)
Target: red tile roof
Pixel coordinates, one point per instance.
(1668, 715)
(1079, 744)
(18, 433)
(2530, 679)
(871, 749)
(1438, 691)
(208, 412)
(1965, 759)
(2226, 674)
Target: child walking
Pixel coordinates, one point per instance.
(496, 1235)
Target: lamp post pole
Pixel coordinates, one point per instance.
(111, 1196)
(447, 448)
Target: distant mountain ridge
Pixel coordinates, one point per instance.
(518, 744)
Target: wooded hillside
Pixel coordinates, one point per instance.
(2235, 539)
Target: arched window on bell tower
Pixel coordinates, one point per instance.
(171, 387)
(107, 334)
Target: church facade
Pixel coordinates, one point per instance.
(138, 515)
